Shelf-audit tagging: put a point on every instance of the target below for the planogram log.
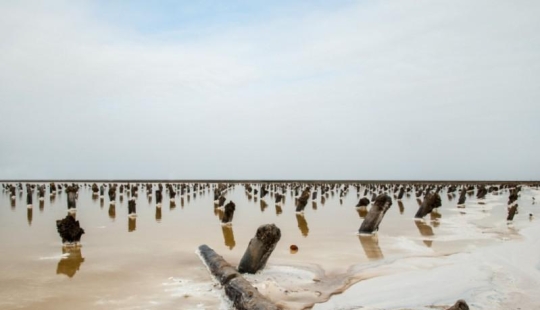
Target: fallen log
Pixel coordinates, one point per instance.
(239, 291)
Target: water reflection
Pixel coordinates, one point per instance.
(302, 224)
(12, 205)
(362, 212)
(182, 202)
(435, 216)
(228, 236)
(314, 205)
(323, 200)
(401, 207)
(29, 215)
(70, 265)
(132, 224)
(278, 210)
(264, 205)
(172, 205)
(112, 212)
(426, 231)
(158, 214)
(370, 244)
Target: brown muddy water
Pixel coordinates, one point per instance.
(150, 262)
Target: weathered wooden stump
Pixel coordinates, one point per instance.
(229, 212)
(278, 198)
(459, 305)
(462, 197)
(512, 212)
(221, 201)
(264, 191)
(513, 196)
(431, 202)
(69, 229)
(259, 249)
(159, 197)
(239, 291)
(29, 197)
(364, 202)
(482, 192)
(302, 201)
(112, 193)
(71, 197)
(375, 215)
(132, 209)
(401, 192)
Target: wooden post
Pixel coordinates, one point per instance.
(71, 197)
(229, 212)
(69, 229)
(375, 215)
(260, 248)
(302, 201)
(432, 201)
(132, 207)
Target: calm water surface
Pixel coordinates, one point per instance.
(149, 262)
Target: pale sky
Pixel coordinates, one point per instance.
(274, 90)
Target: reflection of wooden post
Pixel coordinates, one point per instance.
(401, 207)
(426, 231)
(259, 249)
(302, 224)
(158, 214)
(370, 244)
(29, 213)
(237, 289)
(70, 265)
(132, 224)
(278, 210)
(112, 211)
(375, 215)
(228, 236)
(264, 205)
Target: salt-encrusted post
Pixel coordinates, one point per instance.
(229, 212)
(259, 249)
(375, 215)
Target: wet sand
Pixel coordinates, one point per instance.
(149, 262)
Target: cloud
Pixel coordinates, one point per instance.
(382, 90)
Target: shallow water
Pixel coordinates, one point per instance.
(149, 262)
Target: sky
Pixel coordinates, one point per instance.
(356, 90)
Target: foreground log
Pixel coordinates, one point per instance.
(259, 249)
(241, 293)
(229, 212)
(431, 202)
(375, 215)
(459, 305)
(69, 229)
